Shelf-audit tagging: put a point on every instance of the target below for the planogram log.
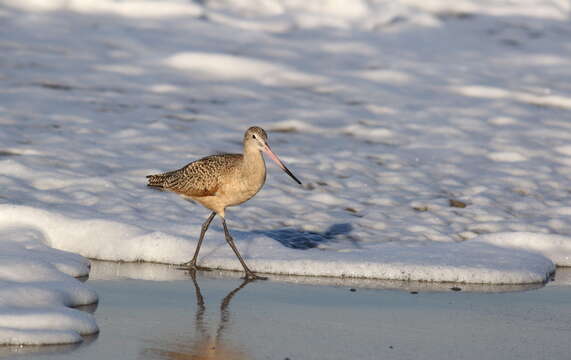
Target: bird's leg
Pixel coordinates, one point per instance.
(192, 263)
(230, 241)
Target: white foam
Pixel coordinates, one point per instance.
(231, 67)
(37, 289)
(142, 9)
(507, 156)
(529, 98)
(451, 262)
(555, 247)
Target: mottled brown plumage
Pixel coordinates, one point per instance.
(219, 181)
(199, 178)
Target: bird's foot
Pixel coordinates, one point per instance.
(252, 276)
(191, 265)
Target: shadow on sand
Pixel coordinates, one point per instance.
(302, 240)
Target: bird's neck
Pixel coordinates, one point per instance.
(253, 161)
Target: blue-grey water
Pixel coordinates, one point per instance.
(218, 316)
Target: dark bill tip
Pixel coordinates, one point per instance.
(292, 175)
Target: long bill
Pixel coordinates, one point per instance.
(277, 160)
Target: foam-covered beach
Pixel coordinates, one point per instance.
(432, 139)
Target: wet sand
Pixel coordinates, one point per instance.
(150, 311)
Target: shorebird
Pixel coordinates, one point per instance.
(219, 181)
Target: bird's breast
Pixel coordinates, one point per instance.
(244, 186)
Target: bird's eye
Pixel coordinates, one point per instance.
(253, 136)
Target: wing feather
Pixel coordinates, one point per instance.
(202, 177)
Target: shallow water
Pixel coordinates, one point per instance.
(218, 316)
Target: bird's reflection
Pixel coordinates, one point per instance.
(205, 346)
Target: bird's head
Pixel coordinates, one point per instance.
(256, 137)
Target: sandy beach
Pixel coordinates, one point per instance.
(161, 315)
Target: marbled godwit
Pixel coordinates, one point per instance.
(219, 181)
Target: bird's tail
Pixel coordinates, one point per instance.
(157, 181)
